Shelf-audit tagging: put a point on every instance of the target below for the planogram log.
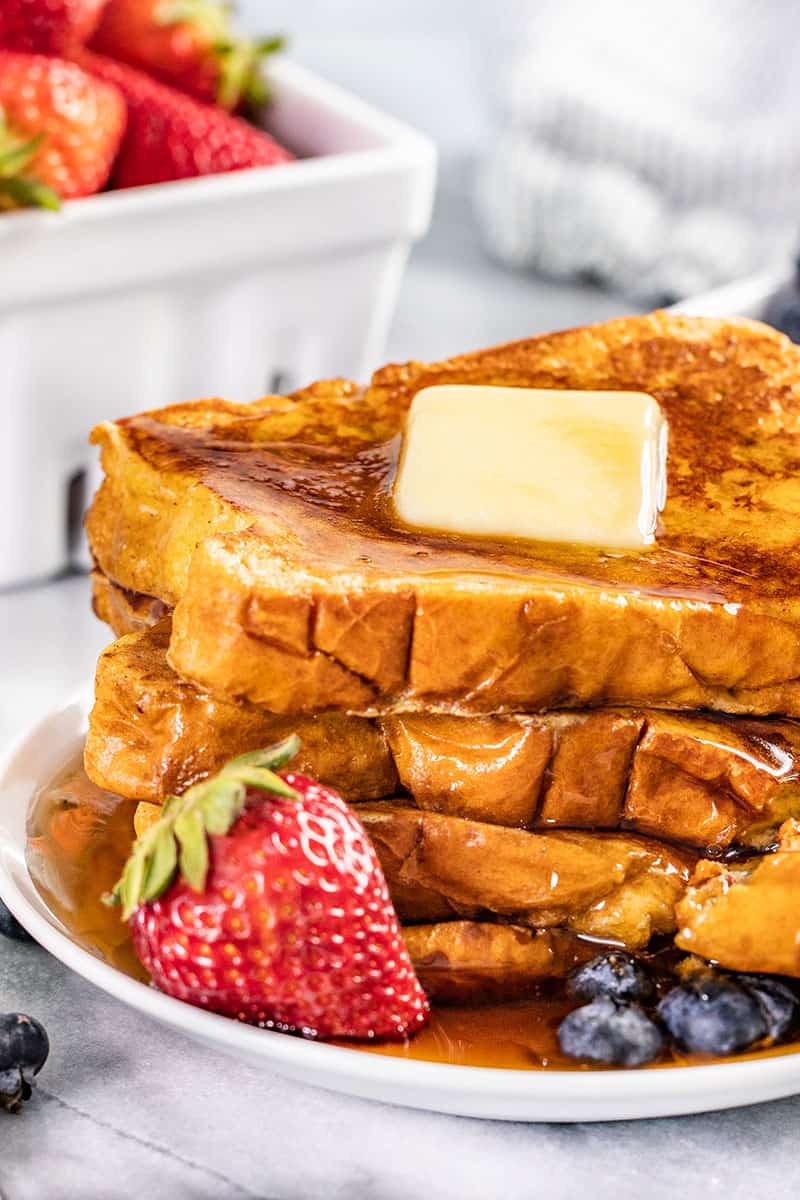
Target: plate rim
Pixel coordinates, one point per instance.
(673, 1090)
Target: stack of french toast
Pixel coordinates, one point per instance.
(550, 745)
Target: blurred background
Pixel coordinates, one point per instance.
(438, 66)
(645, 150)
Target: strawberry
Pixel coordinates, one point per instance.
(189, 44)
(60, 130)
(259, 896)
(48, 26)
(171, 136)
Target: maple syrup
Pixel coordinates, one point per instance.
(78, 839)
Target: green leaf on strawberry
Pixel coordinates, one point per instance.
(60, 129)
(242, 78)
(16, 153)
(191, 45)
(178, 842)
(239, 61)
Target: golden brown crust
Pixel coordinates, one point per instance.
(151, 735)
(468, 961)
(746, 917)
(696, 779)
(490, 768)
(125, 612)
(268, 524)
(607, 886)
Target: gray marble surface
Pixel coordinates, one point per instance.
(126, 1108)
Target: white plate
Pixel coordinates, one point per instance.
(465, 1091)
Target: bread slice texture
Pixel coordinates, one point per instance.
(124, 611)
(152, 735)
(610, 887)
(707, 781)
(746, 916)
(269, 529)
(468, 962)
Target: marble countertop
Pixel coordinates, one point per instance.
(126, 1108)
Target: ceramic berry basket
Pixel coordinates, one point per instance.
(232, 285)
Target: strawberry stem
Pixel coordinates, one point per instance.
(178, 842)
(240, 61)
(271, 45)
(15, 154)
(17, 190)
(28, 193)
(212, 19)
(241, 72)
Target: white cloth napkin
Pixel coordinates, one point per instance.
(654, 147)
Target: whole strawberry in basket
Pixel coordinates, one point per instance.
(60, 130)
(172, 136)
(48, 26)
(259, 896)
(189, 44)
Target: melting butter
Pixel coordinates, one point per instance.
(534, 463)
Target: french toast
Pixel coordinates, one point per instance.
(474, 960)
(706, 781)
(465, 961)
(268, 528)
(123, 611)
(542, 741)
(619, 888)
(610, 887)
(746, 916)
(152, 735)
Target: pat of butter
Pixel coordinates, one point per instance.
(534, 463)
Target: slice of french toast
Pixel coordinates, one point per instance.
(469, 961)
(611, 887)
(269, 528)
(704, 780)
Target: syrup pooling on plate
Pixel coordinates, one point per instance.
(78, 838)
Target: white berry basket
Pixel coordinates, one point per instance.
(232, 285)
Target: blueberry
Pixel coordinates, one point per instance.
(10, 926)
(619, 976)
(24, 1047)
(709, 1014)
(606, 1031)
(780, 1006)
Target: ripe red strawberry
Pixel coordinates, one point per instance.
(60, 130)
(171, 136)
(188, 44)
(259, 896)
(48, 26)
